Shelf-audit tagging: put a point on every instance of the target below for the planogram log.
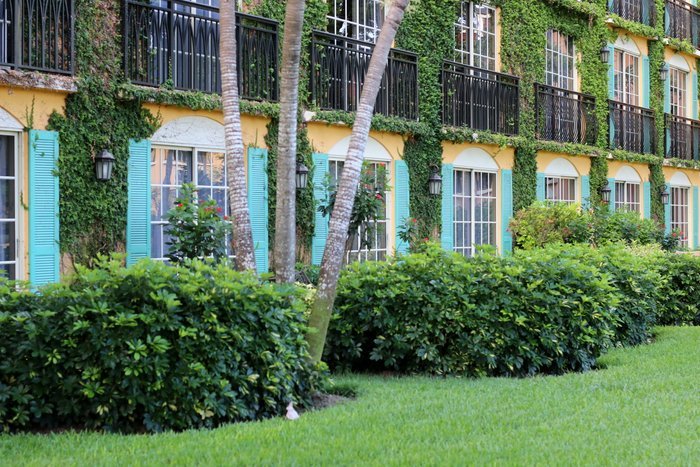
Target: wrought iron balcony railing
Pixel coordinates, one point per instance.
(479, 99)
(339, 66)
(683, 21)
(180, 44)
(632, 128)
(37, 35)
(682, 137)
(565, 116)
(641, 11)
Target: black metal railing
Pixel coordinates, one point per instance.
(339, 66)
(683, 21)
(641, 11)
(565, 116)
(37, 35)
(632, 128)
(179, 44)
(682, 137)
(479, 99)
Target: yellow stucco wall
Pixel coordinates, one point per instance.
(641, 169)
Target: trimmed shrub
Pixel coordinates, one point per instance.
(437, 312)
(681, 290)
(151, 347)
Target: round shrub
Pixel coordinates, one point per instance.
(151, 347)
(681, 290)
(437, 312)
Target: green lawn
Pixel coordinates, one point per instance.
(644, 408)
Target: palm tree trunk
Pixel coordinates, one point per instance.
(235, 167)
(285, 219)
(349, 181)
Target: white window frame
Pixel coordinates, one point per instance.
(678, 84)
(18, 219)
(363, 31)
(557, 60)
(367, 254)
(557, 194)
(195, 150)
(680, 211)
(626, 77)
(628, 196)
(467, 248)
(467, 25)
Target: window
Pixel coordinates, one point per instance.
(474, 202)
(170, 168)
(6, 14)
(377, 250)
(679, 212)
(560, 189)
(475, 35)
(8, 206)
(679, 80)
(560, 55)
(627, 196)
(626, 77)
(356, 19)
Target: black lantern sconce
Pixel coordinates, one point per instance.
(302, 176)
(435, 181)
(104, 163)
(665, 195)
(605, 193)
(663, 72)
(605, 54)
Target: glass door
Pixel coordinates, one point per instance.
(8, 206)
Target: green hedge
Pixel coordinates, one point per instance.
(680, 290)
(152, 347)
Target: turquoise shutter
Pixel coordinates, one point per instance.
(585, 191)
(611, 72)
(667, 211)
(613, 194)
(694, 93)
(44, 252)
(447, 231)
(257, 205)
(647, 200)
(138, 214)
(401, 187)
(540, 187)
(318, 243)
(506, 209)
(646, 76)
(696, 210)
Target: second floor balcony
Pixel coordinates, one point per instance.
(37, 35)
(683, 21)
(632, 128)
(565, 116)
(339, 66)
(179, 44)
(682, 138)
(479, 99)
(640, 11)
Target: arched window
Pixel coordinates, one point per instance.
(561, 178)
(627, 190)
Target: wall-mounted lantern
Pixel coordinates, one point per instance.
(665, 195)
(302, 176)
(104, 162)
(605, 193)
(605, 54)
(435, 181)
(663, 72)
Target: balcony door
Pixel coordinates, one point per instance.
(560, 73)
(475, 35)
(356, 19)
(627, 122)
(8, 206)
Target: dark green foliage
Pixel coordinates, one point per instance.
(681, 291)
(152, 347)
(197, 228)
(436, 312)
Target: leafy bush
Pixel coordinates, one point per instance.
(197, 228)
(152, 347)
(544, 223)
(436, 312)
(681, 290)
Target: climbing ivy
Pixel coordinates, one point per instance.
(96, 117)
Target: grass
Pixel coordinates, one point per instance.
(644, 408)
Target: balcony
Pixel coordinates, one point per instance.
(683, 21)
(565, 116)
(479, 99)
(640, 11)
(339, 66)
(180, 44)
(632, 128)
(682, 137)
(37, 35)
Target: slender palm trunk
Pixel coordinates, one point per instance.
(285, 219)
(235, 168)
(349, 181)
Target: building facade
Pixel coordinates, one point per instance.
(509, 101)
